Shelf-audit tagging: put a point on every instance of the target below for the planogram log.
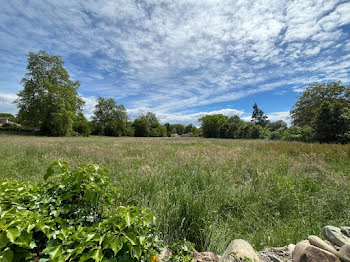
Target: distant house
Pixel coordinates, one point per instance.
(4, 120)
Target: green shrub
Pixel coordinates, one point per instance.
(75, 216)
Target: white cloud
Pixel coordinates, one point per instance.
(171, 56)
(182, 118)
(89, 106)
(6, 103)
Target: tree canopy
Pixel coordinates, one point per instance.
(148, 125)
(109, 118)
(49, 100)
(305, 109)
(211, 123)
(323, 108)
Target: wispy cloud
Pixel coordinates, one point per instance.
(6, 102)
(175, 56)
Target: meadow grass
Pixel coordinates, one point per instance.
(208, 191)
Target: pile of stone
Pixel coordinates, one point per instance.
(335, 248)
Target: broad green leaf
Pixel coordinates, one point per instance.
(135, 251)
(142, 238)
(24, 239)
(131, 236)
(56, 252)
(98, 255)
(12, 234)
(127, 219)
(116, 245)
(86, 256)
(90, 236)
(30, 227)
(7, 255)
(3, 240)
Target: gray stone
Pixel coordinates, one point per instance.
(305, 252)
(290, 249)
(334, 235)
(345, 231)
(344, 253)
(205, 257)
(276, 254)
(164, 254)
(274, 259)
(239, 250)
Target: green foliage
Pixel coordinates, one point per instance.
(49, 100)
(81, 125)
(273, 126)
(305, 109)
(17, 129)
(258, 116)
(142, 126)
(162, 131)
(194, 131)
(297, 133)
(73, 216)
(109, 118)
(324, 107)
(129, 130)
(329, 125)
(168, 129)
(211, 123)
(222, 131)
(278, 134)
(179, 129)
(188, 128)
(148, 125)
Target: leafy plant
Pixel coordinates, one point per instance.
(74, 216)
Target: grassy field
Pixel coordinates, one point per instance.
(208, 191)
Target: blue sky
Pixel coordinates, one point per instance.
(181, 59)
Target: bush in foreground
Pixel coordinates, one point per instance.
(75, 216)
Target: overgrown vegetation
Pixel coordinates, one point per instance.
(208, 191)
(76, 216)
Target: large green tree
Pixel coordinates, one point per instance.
(148, 125)
(49, 100)
(211, 124)
(81, 125)
(142, 126)
(306, 108)
(329, 124)
(109, 118)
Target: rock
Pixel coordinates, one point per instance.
(274, 258)
(276, 254)
(205, 256)
(239, 250)
(318, 242)
(345, 231)
(334, 235)
(344, 253)
(165, 254)
(305, 252)
(291, 249)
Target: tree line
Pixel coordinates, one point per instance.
(50, 103)
(322, 114)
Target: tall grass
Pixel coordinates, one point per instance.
(208, 191)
